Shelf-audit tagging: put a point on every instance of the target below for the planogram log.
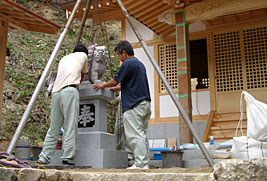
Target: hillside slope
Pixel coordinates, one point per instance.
(30, 52)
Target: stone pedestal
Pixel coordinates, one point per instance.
(95, 147)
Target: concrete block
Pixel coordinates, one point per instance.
(96, 140)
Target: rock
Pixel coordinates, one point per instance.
(27, 174)
(234, 169)
(30, 174)
(8, 174)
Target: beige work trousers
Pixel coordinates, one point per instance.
(135, 124)
(64, 109)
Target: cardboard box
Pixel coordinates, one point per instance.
(171, 143)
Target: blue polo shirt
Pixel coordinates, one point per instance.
(134, 83)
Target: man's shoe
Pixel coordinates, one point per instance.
(67, 162)
(145, 167)
(40, 162)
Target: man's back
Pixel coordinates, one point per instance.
(69, 70)
(134, 83)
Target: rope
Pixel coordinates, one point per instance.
(239, 125)
(94, 34)
(104, 31)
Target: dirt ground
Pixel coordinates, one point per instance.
(151, 170)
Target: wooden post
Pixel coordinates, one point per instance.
(184, 74)
(3, 45)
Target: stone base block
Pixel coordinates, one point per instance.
(96, 140)
(96, 158)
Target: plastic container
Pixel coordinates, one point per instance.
(157, 156)
(23, 149)
(212, 146)
(172, 159)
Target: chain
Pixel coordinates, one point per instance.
(104, 31)
(94, 21)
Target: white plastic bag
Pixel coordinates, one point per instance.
(256, 117)
(248, 148)
(222, 154)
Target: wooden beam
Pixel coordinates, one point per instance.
(3, 45)
(168, 31)
(147, 10)
(210, 9)
(171, 39)
(186, 2)
(155, 42)
(158, 26)
(154, 15)
(156, 81)
(164, 28)
(42, 29)
(13, 22)
(123, 29)
(134, 5)
(17, 24)
(183, 77)
(146, 6)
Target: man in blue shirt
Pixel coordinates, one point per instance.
(131, 79)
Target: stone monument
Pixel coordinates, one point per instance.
(95, 147)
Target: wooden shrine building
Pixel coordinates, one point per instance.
(209, 50)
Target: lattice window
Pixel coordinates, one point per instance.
(228, 69)
(202, 83)
(255, 44)
(168, 65)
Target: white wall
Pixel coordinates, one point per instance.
(167, 107)
(200, 104)
(196, 27)
(145, 32)
(140, 54)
